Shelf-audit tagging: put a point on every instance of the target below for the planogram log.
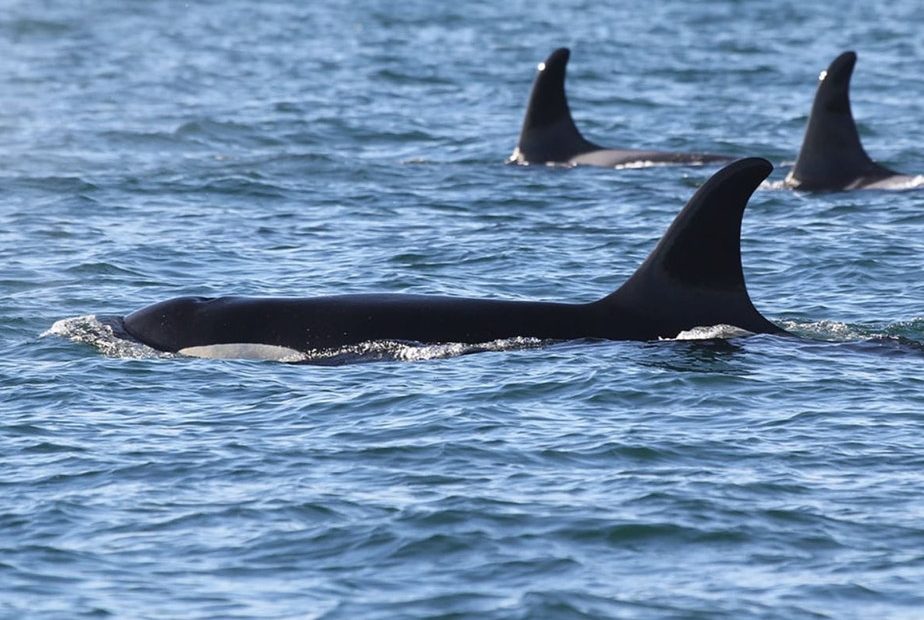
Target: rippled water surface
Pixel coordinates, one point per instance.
(152, 149)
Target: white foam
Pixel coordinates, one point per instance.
(824, 330)
(775, 185)
(414, 352)
(711, 332)
(635, 165)
(98, 333)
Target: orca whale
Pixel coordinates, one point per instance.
(692, 278)
(549, 135)
(832, 157)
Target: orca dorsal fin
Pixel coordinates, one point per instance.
(693, 278)
(549, 133)
(832, 156)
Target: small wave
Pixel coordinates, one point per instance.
(825, 330)
(711, 332)
(63, 184)
(903, 336)
(104, 334)
(38, 27)
(912, 328)
(100, 268)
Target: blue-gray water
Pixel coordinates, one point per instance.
(150, 149)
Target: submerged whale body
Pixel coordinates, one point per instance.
(692, 278)
(549, 135)
(832, 157)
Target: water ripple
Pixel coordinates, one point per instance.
(159, 149)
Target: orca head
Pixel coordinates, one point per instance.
(169, 325)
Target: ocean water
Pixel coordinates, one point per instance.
(152, 149)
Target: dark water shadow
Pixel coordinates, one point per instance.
(880, 345)
(714, 355)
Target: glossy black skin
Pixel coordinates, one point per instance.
(321, 323)
(832, 157)
(549, 135)
(692, 278)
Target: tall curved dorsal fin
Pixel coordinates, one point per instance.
(549, 133)
(693, 278)
(832, 156)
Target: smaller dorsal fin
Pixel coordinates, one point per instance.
(549, 133)
(693, 278)
(832, 156)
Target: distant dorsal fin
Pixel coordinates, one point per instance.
(832, 156)
(693, 278)
(549, 133)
